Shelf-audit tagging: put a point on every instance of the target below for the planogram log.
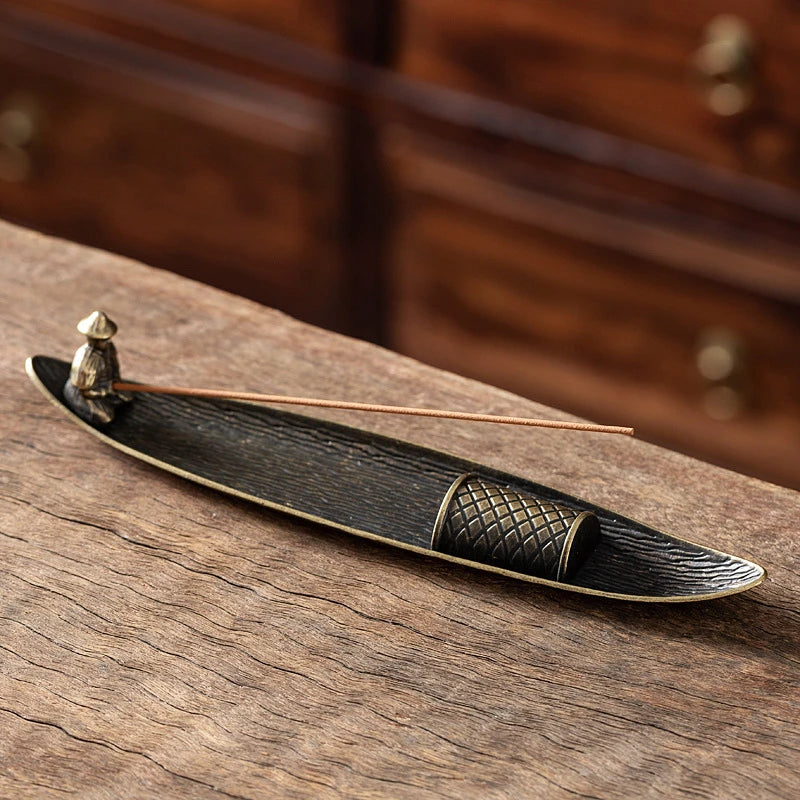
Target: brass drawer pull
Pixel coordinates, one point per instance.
(722, 362)
(725, 65)
(19, 126)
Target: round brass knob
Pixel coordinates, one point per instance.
(722, 363)
(725, 65)
(19, 126)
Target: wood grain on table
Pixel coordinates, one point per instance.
(158, 639)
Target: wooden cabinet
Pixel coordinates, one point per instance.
(580, 219)
(614, 318)
(593, 204)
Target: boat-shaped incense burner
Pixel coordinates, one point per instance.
(399, 493)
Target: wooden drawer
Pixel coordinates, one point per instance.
(596, 313)
(627, 69)
(185, 167)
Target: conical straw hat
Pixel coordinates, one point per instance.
(97, 326)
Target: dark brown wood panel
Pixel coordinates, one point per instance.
(215, 177)
(313, 22)
(621, 68)
(592, 312)
(191, 31)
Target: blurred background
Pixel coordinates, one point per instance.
(595, 204)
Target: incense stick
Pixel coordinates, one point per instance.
(381, 409)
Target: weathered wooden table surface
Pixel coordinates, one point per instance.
(159, 640)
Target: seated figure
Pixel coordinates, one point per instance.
(89, 388)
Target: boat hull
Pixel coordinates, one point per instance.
(382, 488)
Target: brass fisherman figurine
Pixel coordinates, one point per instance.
(95, 367)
